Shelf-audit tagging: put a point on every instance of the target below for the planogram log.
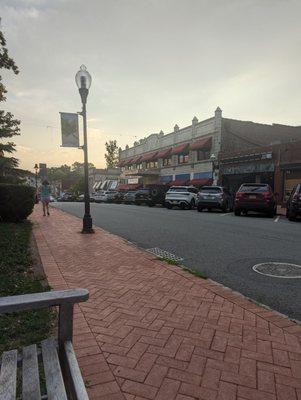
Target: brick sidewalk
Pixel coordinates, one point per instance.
(153, 331)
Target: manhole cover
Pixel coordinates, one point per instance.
(165, 255)
(278, 269)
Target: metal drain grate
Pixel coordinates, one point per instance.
(278, 269)
(165, 255)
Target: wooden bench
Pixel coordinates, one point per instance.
(62, 374)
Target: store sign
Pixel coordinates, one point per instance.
(133, 181)
(247, 169)
(248, 157)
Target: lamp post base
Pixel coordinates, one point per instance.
(87, 224)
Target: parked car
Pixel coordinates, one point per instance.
(52, 199)
(293, 205)
(217, 197)
(151, 195)
(104, 196)
(181, 196)
(118, 198)
(255, 197)
(80, 198)
(67, 197)
(129, 197)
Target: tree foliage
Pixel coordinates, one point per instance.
(9, 126)
(73, 175)
(111, 154)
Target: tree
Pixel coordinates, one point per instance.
(111, 155)
(9, 126)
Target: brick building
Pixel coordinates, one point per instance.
(216, 149)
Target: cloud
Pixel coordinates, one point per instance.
(153, 64)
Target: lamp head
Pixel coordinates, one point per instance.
(83, 78)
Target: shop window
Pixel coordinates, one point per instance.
(139, 166)
(203, 155)
(166, 162)
(152, 164)
(183, 158)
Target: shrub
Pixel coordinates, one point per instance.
(16, 202)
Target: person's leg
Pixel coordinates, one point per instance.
(47, 206)
(44, 207)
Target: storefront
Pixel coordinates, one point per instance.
(250, 168)
(291, 177)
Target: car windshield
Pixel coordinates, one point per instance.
(210, 189)
(254, 188)
(178, 189)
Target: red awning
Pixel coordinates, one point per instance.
(201, 143)
(128, 162)
(149, 156)
(179, 149)
(200, 182)
(164, 153)
(178, 182)
(127, 186)
(136, 159)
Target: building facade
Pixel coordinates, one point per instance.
(176, 158)
(219, 150)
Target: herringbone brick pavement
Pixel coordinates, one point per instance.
(153, 331)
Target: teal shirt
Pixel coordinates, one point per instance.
(45, 191)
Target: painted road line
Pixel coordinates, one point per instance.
(277, 218)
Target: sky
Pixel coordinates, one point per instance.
(154, 64)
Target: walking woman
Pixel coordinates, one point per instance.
(45, 197)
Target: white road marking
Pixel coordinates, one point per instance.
(277, 218)
(224, 215)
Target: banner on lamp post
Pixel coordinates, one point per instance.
(70, 132)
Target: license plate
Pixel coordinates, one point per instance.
(252, 197)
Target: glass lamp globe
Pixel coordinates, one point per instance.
(83, 78)
(212, 157)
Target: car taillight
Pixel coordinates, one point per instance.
(267, 196)
(238, 195)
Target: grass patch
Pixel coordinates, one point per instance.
(17, 277)
(195, 273)
(169, 261)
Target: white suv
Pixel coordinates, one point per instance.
(181, 196)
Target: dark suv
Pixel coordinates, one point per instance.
(293, 205)
(214, 197)
(255, 197)
(151, 195)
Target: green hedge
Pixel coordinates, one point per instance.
(16, 202)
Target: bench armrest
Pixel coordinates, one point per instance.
(42, 300)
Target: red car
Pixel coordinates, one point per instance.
(255, 197)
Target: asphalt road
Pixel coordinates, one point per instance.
(222, 246)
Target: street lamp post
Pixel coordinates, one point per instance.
(36, 169)
(83, 80)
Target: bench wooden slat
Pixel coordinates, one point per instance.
(30, 372)
(53, 374)
(8, 375)
(77, 380)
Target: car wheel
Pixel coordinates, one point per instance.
(192, 204)
(237, 212)
(200, 209)
(150, 204)
(209, 209)
(168, 206)
(182, 206)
